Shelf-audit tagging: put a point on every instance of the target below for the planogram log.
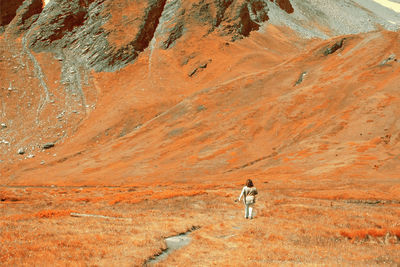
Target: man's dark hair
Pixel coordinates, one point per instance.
(249, 183)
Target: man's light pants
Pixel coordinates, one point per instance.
(248, 211)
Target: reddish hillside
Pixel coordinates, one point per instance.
(189, 97)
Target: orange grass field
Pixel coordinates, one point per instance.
(292, 225)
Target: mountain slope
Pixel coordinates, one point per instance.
(133, 92)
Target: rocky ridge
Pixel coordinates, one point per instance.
(82, 28)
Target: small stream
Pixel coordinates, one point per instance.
(173, 243)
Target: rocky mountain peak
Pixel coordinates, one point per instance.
(87, 28)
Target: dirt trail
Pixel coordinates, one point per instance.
(172, 243)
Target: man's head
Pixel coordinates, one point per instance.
(249, 183)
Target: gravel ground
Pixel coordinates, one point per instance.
(327, 18)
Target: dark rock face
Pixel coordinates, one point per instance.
(251, 14)
(231, 17)
(222, 6)
(77, 30)
(388, 60)
(27, 14)
(71, 28)
(175, 34)
(48, 145)
(284, 5)
(336, 46)
(239, 18)
(149, 25)
(201, 66)
(236, 18)
(8, 10)
(301, 78)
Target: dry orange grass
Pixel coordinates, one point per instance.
(32, 234)
(37, 229)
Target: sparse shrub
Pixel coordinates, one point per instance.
(130, 197)
(363, 234)
(83, 199)
(377, 232)
(52, 213)
(354, 234)
(174, 193)
(8, 196)
(395, 232)
(274, 237)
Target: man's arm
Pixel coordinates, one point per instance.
(241, 194)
